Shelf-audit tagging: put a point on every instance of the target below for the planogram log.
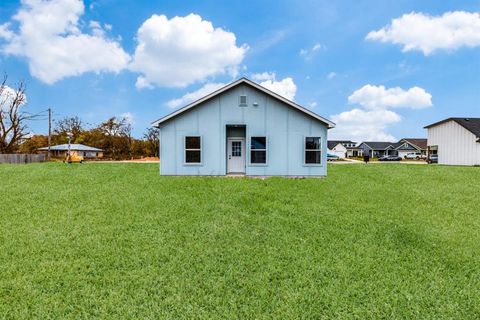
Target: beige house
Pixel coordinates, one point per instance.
(61, 150)
(456, 141)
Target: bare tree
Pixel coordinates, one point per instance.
(13, 127)
(63, 126)
(153, 142)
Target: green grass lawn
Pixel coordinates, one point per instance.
(119, 241)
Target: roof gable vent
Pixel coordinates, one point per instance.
(242, 101)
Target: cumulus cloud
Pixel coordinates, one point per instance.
(417, 31)
(364, 125)
(372, 120)
(285, 87)
(309, 53)
(7, 94)
(50, 38)
(195, 95)
(179, 51)
(379, 97)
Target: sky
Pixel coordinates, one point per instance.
(381, 70)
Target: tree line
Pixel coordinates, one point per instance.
(114, 135)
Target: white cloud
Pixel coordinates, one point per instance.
(7, 95)
(180, 51)
(308, 54)
(264, 76)
(312, 105)
(49, 36)
(417, 31)
(285, 87)
(378, 97)
(364, 125)
(372, 120)
(331, 75)
(195, 95)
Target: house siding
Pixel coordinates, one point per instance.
(456, 145)
(284, 127)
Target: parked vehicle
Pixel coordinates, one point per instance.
(414, 155)
(332, 157)
(390, 158)
(433, 158)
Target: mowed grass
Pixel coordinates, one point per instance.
(119, 241)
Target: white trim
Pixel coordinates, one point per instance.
(329, 123)
(312, 150)
(185, 163)
(250, 151)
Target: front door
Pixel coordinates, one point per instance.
(236, 155)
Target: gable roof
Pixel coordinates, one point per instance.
(332, 143)
(471, 124)
(292, 104)
(73, 146)
(416, 142)
(378, 145)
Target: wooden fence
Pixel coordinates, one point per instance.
(21, 158)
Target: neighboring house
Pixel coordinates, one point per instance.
(243, 128)
(455, 140)
(344, 148)
(409, 145)
(377, 149)
(60, 151)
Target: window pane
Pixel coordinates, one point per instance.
(258, 156)
(312, 143)
(258, 143)
(192, 156)
(192, 142)
(236, 148)
(312, 157)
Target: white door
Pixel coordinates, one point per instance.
(236, 155)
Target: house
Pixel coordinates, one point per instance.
(455, 140)
(344, 148)
(409, 145)
(377, 149)
(243, 128)
(61, 150)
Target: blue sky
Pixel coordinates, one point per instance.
(380, 69)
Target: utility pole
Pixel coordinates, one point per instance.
(49, 130)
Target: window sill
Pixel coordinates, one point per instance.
(258, 165)
(193, 164)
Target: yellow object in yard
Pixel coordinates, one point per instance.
(74, 159)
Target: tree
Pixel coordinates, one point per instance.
(153, 142)
(32, 144)
(117, 133)
(73, 125)
(13, 127)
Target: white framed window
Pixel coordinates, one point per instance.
(193, 149)
(313, 150)
(242, 101)
(258, 150)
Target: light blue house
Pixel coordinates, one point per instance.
(243, 128)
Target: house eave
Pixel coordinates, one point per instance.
(330, 124)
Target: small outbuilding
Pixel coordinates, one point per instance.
(455, 140)
(243, 129)
(76, 149)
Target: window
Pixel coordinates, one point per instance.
(312, 150)
(258, 150)
(242, 101)
(236, 148)
(193, 150)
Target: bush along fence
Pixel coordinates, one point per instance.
(21, 158)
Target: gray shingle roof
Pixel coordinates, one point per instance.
(73, 146)
(378, 145)
(471, 124)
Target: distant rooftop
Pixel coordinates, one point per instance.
(73, 147)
